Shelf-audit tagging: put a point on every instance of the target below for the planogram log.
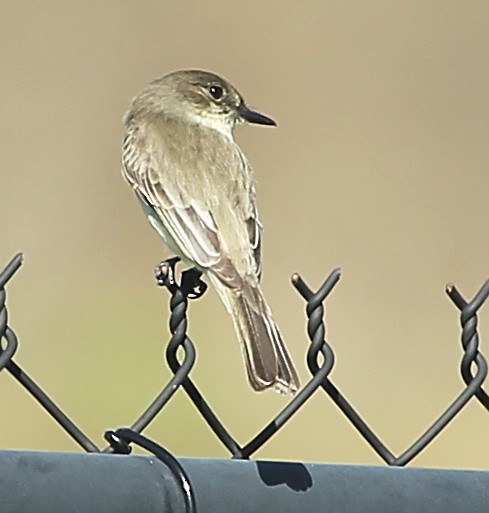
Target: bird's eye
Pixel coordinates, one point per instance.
(216, 92)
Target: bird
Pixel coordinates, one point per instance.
(197, 189)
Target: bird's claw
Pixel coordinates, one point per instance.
(190, 285)
(165, 273)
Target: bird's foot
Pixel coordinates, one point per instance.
(165, 273)
(190, 284)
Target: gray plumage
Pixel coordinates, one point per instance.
(196, 187)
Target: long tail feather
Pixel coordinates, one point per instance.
(267, 360)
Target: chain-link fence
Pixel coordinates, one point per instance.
(320, 361)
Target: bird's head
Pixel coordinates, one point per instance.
(197, 97)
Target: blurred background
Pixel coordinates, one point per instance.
(379, 164)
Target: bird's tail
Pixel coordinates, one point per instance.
(268, 363)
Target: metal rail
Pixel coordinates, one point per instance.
(46, 482)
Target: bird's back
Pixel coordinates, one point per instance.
(199, 167)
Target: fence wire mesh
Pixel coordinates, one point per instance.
(320, 361)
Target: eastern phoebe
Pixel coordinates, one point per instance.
(196, 187)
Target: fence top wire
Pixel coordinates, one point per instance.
(320, 361)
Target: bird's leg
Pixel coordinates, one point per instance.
(165, 273)
(191, 284)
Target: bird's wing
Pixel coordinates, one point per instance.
(189, 224)
(254, 233)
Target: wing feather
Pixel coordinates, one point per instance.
(254, 233)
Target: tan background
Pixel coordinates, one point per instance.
(379, 164)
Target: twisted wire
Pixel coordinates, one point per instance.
(470, 337)
(178, 328)
(6, 334)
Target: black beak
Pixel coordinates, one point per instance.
(254, 117)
